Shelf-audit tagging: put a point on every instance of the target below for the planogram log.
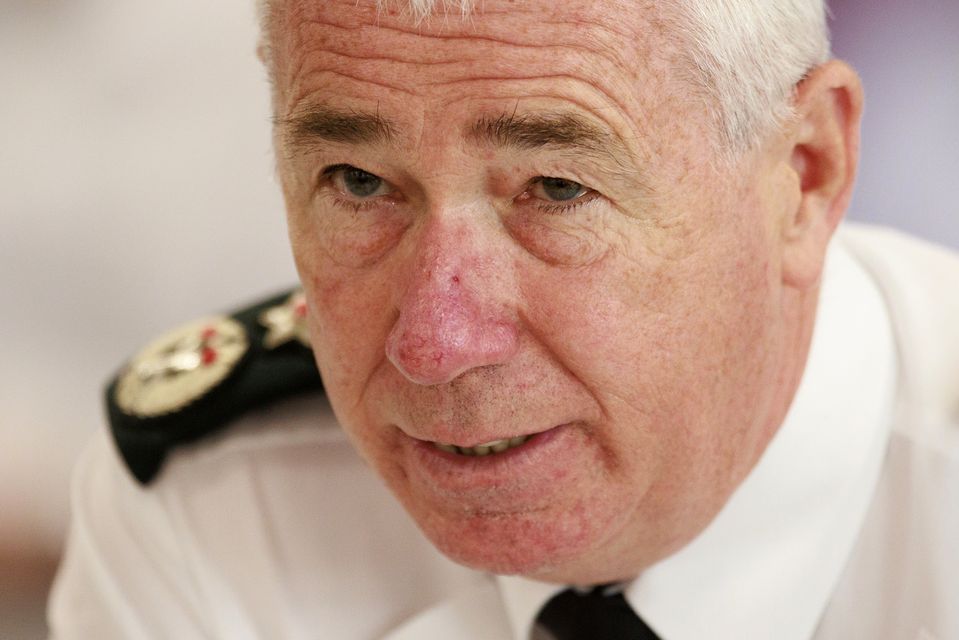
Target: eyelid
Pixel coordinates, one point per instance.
(588, 196)
(328, 174)
(559, 207)
(538, 182)
(330, 171)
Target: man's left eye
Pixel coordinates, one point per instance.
(557, 189)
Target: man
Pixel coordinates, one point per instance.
(562, 265)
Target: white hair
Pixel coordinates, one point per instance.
(746, 56)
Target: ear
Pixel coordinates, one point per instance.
(824, 156)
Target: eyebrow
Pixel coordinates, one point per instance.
(559, 130)
(327, 124)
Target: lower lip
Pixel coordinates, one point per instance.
(535, 468)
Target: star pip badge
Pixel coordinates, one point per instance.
(181, 367)
(286, 322)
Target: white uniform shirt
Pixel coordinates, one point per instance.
(847, 527)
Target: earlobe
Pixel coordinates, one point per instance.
(824, 156)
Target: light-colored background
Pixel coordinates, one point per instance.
(136, 192)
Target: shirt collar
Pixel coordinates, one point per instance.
(767, 564)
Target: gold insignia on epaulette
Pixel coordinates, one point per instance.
(285, 322)
(181, 367)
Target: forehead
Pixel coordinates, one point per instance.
(489, 17)
(618, 62)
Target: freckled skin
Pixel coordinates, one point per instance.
(653, 321)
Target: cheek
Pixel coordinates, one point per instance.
(349, 318)
(344, 273)
(668, 338)
(717, 345)
(349, 321)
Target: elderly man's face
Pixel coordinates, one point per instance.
(511, 228)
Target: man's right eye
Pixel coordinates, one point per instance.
(357, 183)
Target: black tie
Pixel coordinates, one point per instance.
(590, 615)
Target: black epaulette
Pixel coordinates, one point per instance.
(195, 380)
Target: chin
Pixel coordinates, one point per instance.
(535, 545)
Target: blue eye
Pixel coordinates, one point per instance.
(357, 183)
(361, 183)
(558, 189)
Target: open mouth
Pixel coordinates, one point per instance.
(489, 448)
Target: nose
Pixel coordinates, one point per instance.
(453, 315)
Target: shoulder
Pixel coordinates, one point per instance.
(899, 254)
(919, 281)
(195, 380)
(278, 492)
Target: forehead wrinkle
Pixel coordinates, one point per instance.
(297, 86)
(594, 35)
(302, 46)
(578, 32)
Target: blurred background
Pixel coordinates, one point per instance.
(136, 192)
